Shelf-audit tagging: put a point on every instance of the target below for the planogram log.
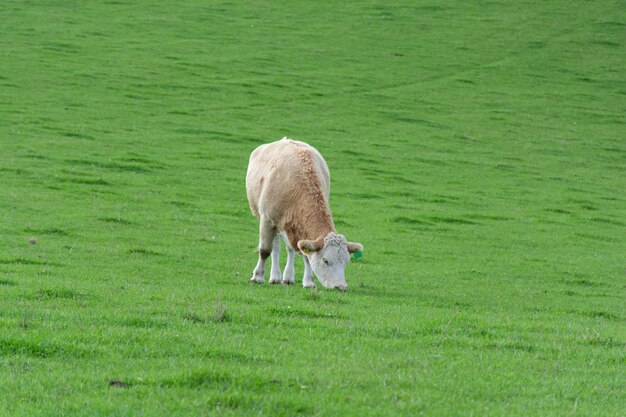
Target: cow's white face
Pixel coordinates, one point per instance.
(328, 258)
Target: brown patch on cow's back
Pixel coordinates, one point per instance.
(313, 184)
(311, 217)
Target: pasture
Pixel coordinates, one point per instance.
(476, 149)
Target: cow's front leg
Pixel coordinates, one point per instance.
(288, 276)
(307, 280)
(266, 235)
(275, 272)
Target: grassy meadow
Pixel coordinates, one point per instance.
(476, 149)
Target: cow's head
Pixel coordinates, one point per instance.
(328, 257)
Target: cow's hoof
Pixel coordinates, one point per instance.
(308, 285)
(275, 281)
(288, 282)
(257, 280)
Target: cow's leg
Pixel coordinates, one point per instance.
(275, 272)
(266, 235)
(289, 269)
(307, 280)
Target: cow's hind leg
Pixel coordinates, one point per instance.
(289, 270)
(307, 280)
(275, 272)
(266, 235)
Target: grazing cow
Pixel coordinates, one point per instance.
(288, 185)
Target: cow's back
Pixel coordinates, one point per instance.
(278, 174)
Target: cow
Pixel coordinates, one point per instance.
(288, 188)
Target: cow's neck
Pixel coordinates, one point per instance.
(311, 221)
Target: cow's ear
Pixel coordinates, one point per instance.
(354, 247)
(308, 246)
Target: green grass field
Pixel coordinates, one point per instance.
(477, 150)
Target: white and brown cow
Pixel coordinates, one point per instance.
(288, 185)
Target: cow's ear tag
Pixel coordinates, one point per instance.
(357, 255)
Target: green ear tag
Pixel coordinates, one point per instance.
(357, 255)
